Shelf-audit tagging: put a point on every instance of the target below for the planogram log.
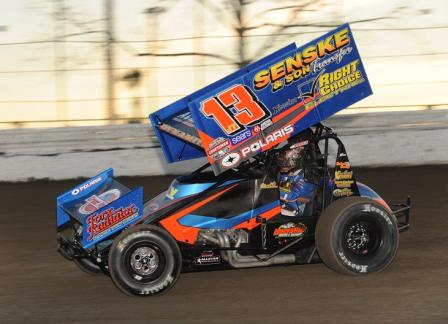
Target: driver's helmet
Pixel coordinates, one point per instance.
(289, 159)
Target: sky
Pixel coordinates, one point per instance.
(29, 86)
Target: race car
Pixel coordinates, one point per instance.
(267, 195)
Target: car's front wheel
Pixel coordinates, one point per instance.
(356, 235)
(144, 260)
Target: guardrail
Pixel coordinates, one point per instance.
(394, 138)
(136, 120)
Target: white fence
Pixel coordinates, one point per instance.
(379, 139)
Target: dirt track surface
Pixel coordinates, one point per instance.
(39, 286)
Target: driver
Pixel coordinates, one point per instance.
(295, 191)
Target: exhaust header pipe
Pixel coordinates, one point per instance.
(237, 260)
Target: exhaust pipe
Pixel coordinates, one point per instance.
(237, 260)
(214, 240)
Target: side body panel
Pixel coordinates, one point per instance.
(233, 206)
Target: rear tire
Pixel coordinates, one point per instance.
(144, 260)
(356, 235)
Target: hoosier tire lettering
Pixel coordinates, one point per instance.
(356, 235)
(126, 264)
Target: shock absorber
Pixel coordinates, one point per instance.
(263, 231)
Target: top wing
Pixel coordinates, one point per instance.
(265, 103)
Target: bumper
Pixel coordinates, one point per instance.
(402, 212)
(69, 250)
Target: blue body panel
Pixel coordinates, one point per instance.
(102, 205)
(179, 190)
(207, 222)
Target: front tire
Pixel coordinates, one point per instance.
(356, 235)
(144, 260)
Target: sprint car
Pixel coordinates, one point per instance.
(228, 213)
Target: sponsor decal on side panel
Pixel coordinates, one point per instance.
(218, 148)
(99, 225)
(94, 202)
(298, 66)
(343, 175)
(300, 144)
(343, 183)
(180, 134)
(266, 124)
(230, 160)
(274, 137)
(271, 185)
(207, 260)
(290, 230)
(85, 186)
(343, 165)
(340, 80)
(171, 193)
(346, 192)
(283, 106)
(241, 137)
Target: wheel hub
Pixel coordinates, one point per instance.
(357, 237)
(144, 261)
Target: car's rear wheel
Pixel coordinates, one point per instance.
(144, 260)
(356, 235)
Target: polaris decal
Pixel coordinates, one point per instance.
(86, 186)
(274, 137)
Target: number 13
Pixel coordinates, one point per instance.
(248, 110)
